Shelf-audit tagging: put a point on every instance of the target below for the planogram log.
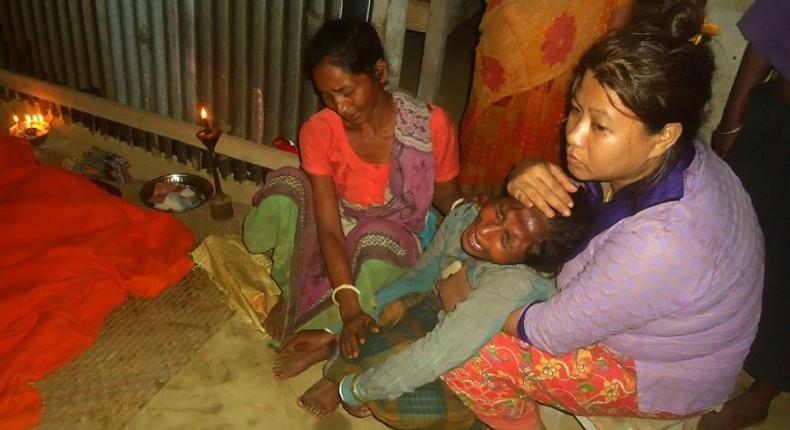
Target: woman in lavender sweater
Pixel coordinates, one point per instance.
(655, 315)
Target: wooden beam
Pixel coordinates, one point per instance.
(234, 147)
(394, 38)
(433, 50)
(417, 15)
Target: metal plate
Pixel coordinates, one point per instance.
(200, 185)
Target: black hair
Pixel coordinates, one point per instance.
(350, 44)
(565, 236)
(657, 73)
(681, 18)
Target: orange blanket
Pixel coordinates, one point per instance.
(69, 253)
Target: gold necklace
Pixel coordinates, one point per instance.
(607, 197)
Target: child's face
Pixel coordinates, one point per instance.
(503, 230)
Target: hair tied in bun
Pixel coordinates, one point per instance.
(708, 29)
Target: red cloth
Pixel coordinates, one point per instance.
(69, 253)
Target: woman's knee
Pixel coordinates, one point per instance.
(382, 238)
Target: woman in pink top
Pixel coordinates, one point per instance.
(350, 220)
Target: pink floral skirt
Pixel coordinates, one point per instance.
(507, 378)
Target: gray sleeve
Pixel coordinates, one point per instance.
(459, 336)
(424, 274)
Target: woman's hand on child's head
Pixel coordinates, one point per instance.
(453, 290)
(539, 183)
(355, 328)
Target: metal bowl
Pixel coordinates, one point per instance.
(33, 135)
(200, 185)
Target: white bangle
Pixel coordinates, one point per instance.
(726, 133)
(451, 270)
(456, 204)
(343, 287)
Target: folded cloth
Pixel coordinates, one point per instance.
(243, 276)
(69, 253)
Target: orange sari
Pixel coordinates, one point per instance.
(523, 67)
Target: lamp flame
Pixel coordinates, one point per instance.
(204, 119)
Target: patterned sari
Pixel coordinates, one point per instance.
(523, 67)
(506, 380)
(380, 240)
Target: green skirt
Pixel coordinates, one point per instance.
(283, 220)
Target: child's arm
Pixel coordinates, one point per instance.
(453, 290)
(425, 272)
(461, 334)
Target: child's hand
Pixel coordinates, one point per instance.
(453, 290)
(391, 314)
(393, 311)
(355, 328)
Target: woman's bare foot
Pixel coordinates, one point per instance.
(307, 340)
(747, 409)
(301, 350)
(275, 320)
(320, 400)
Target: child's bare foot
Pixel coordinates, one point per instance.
(360, 411)
(275, 320)
(301, 352)
(320, 400)
(747, 409)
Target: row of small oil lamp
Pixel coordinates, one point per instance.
(37, 125)
(33, 126)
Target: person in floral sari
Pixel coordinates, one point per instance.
(525, 56)
(654, 317)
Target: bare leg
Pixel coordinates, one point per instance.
(321, 400)
(306, 340)
(301, 350)
(275, 321)
(747, 409)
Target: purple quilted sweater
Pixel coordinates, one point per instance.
(676, 286)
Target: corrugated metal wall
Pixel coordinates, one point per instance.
(241, 59)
